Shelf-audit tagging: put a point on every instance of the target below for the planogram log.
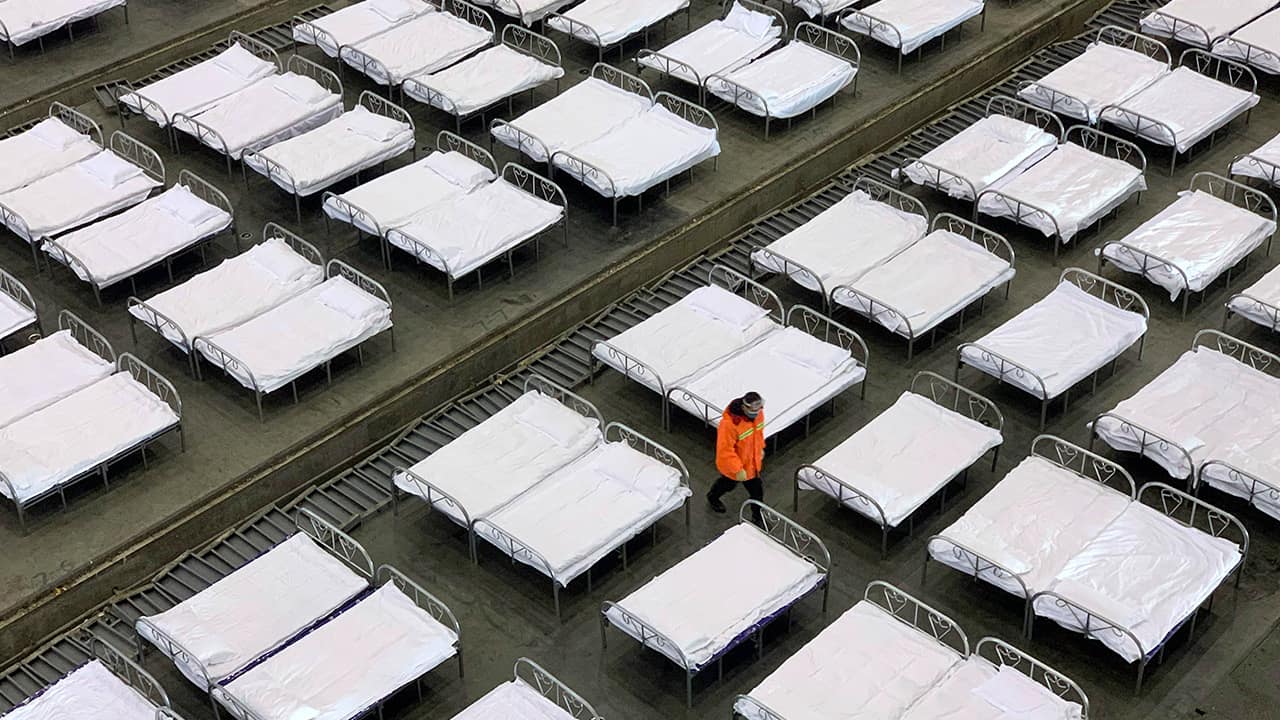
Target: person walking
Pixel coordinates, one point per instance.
(740, 451)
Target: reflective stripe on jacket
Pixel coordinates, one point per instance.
(740, 445)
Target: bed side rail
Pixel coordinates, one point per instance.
(829, 331)
(576, 29)
(1224, 70)
(957, 398)
(580, 169)
(207, 192)
(1137, 42)
(617, 432)
(633, 368)
(789, 533)
(1084, 463)
(831, 42)
(869, 25)
(91, 339)
(221, 696)
(341, 545)
(1176, 27)
(1197, 514)
(1251, 355)
(620, 78)
(325, 77)
(564, 396)
(991, 241)
(549, 686)
(915, 613)
(127, 670)
(13, 287)
(688, 111)
(470, 14)
(157, 321)
(735, 282)
(1027, 113)
(648, 636)
(433, 605)
(537, 46)
(1238, 194)
(1022, 212)
(437, 498)
(451, 142)
(77, 121)
(1002, 654)
(140, 154)
(309, 252)
(337, 268)
(153, 381)
(740, 96)
(1146, 263)
(1107, 291)
(889, 196)
(536, 185)
(1107, 145)
(511, 545)
(1003, 367)
(255, 46)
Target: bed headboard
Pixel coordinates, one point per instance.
(152, 380)
(138, 153)
(1114, 293)
(343, 546)
(739, 284)
(275, 231)
(337, 268)
(472, 14)
(1137, 42)
(827, 330)
(1084, 463)
(1107, 145)
(91, 339)
(206, 191)
(423, 599)
(299, 65)
(536, 185)
(450, 142)
(1195, 513)
(564, 396)
(1238, 194)
(778, 17)
(126, 669)
(831, 42)
(1230, 72)
(77, 121)
(617, 432)
(687, 111)
(539, 47)
(1027, 113)
(889, 196)
(992, 241)
(550, 687)
(255, 46)
(13, 287)
(1251, 355)
(1002, 654)
(1176, 25)
(788, 533)
(379, 105)
(913, 612)
(957, 398)
(621, 79)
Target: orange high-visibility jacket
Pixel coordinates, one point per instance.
(740, 445)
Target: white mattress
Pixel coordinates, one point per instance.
(721, 323)
(493, 462)
(234, 291)
(795, 372)
(50, 447)
(302, 333)
(1270, 152)
(615, 20)
(902, 457)
(1214, 16)
(69, 198)
(1263, 34)
(587, 509)
(584, 112)
(483, 79)
(527, 11)
(642, 152)
(257, 608)
(844, 242)
(928, 282)
(513, 700)
(195, 89)
(477, 227)
(1192, 105)
(962, 695)
(1201, 234)
(705, 601)
(713, 48)
(1075, 186)
(791, 81)
(1102, 75)
(350, 25)
(122, 245)
(427, 43)
(1145, 572)
(322, 156)
(46, 371)
(1062, 338)
(1031, 523)
(262, 115)
(867, 665)
(26, 20)
(917, 21)
(13, 316)
(985, 153)
(1266, 290)
(386, 636)
(90, 692)
(391, 200)
(26, 158)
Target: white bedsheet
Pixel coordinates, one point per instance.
(1201, 234)
(1263, 34)
(513, 700)
(90, 692)
(14, 316)
(350, 25)
(1102, 75)
(54, 445)
(814, 8)
(262, 115)
(46, 371)
(1062, 338)
(1215, 17)
(343, 667)
(391, 200)
(26, 20)
(26, 158)
(1269, 152)
(642, 152)
(719, 592)
(427, 43)
(787, 82)
(985, 153)
(1031, 523)
(526, 11)
(615, 20)
(902, 457)
(1146, 568)
(584, 112)
(69, 198)
(302, 333)
(1190, 104)
(195, 89)
(493, 462)
(483, 79)
(866, 665)
(843, 242)
(957, 698)
(1266, 290)
(122, 245)
(257, 608)
(916, 21)
(232, 292)
(1075, 186)
(713, 48)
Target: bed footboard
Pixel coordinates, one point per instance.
(339, 544)
(528, 181)
(1084, 463)
(938, 178)
(916, 614)
(1254, 486)
(549, 686)
(236, 709)
(791, 269)
(621, 79)
(77, 121)
(564, 396)
(845, 494)
(433, 605)
(1197, 514)
(435, 498)
(13, 288)
(1003, 369)
(1092, 625)
(1002, 654)
(1057, 101)
(89, 338)
(450, 142)
(126, 669)
(523, 140)
(171, 649)
(1145, 440)
(138, 153)
(1147, 265)
(791, 535)
(1177, 27)
(1021, 212)
(735, 282)
(1027, 113)
(366, 65)
(325, 77)
(889, 196)
(1270, 171)
(153, 381)
(958, 399)
(976, 566)
(829, 331)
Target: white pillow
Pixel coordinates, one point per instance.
(110, 169)
(459, 169)
(54, 133)
(301, 88)
(724, 306)
(376, 127)
(804, 349)
(342, 295)
(562, 425)
(755, 24)
(238, 61)
(636, 472)
(276, 257)
(185, 206)
(393, 10)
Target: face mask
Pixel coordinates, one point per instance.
(751, 414)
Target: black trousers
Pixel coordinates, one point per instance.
(754, 486)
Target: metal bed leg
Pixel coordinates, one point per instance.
(258, 396)
(294, 387)
(688, 689)
(1044, 412)
(555, 594)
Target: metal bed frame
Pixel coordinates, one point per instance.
(550, 687)
(1174, 26)
(670, 65)
(213, 140)
(517, 37)
(283, 177)
(1002, 654)
(878, 192)
(945, 179)
(228, 362)
(522, 179)
(1113, 293)
(299, 23)
(831, 42)
(77, 121)
(154, 383)
(1067, 456)
(1091, 139)
(1250, 52)
(719, 275)
(158, 321)
(580, 169)
(1228, 72)
(585, 33)
(1229, 191)
(1067, 104)
(124, 669)
(520, 551)
(434, 496)
(875, 23)
(777, 527)
(199, 187)
(992, 242)
(1271, 170)
(71, 33)
(1181, 508)
(946, 394)
(620, 79)
(14, 289)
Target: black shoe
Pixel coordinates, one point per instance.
(716, 506)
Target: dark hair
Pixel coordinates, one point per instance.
(751, 398)
(736, 407)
